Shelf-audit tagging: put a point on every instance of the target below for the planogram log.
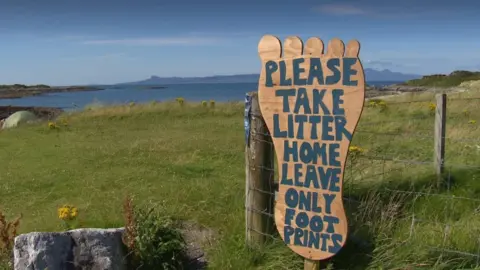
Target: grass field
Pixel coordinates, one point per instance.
(191, 160)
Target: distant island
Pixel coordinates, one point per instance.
(371, 75)
(21, 90)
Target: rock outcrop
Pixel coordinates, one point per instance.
(95, 249)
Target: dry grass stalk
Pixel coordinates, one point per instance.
(128, 212)
(8, 232)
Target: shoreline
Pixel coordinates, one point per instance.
(21, 92)
(53, 112)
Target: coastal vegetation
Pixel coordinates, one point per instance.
(189, 158)
(442, 80)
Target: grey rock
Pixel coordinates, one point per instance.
(81, 249)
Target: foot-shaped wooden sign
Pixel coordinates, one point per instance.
(311, 103)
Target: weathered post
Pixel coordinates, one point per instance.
(439, 137)
(259, 161)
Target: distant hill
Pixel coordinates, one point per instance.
(371, 75)
(155, 80)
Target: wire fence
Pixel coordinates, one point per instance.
(396, 210)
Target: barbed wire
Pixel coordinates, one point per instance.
(463, 99)
(425, 100)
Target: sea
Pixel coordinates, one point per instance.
(219, 92)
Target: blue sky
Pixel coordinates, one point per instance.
(62, 42)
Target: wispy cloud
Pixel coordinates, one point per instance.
(381, 63)
(391, 11)
(340, 9)
(76, 37)
(103, 57)
(68, 38)
(159, 41)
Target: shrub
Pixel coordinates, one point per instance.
(64, 122)
(204, 103)
(152, 240)
(212, 103)
(8, 232)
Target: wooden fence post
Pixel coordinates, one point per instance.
(439, 139)
(311, 265)
(259, 165)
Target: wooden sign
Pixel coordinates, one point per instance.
(311, 103)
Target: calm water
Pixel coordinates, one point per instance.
(190, 92)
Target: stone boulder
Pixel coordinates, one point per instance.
(18, 118)
(95, 249)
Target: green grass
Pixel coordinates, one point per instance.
(191, 159)
(453, 79)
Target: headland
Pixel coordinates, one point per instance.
(21, 90)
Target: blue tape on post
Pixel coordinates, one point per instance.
(246, 119)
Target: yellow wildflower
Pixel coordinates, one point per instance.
(356, 150)
(472, 122)
(52, 125)
(67, 212)
(432, 106)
